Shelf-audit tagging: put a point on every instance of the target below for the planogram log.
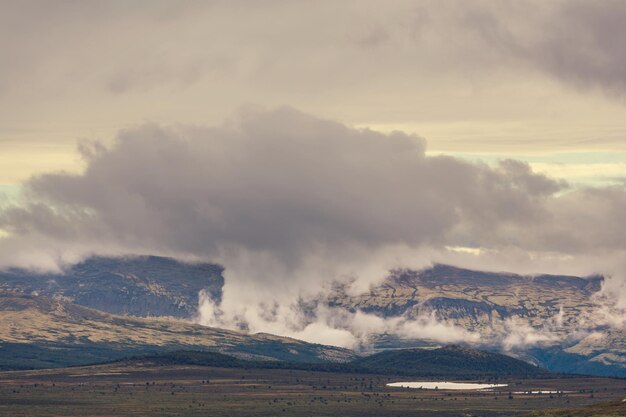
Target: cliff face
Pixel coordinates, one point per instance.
(141, 286)
(561, 310)
(476, 300)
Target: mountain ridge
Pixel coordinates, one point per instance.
(142, 285)
(41, 324)
(450, 361)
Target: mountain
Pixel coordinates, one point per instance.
(452, 361)
(140, 286)
(544, 319)
(542, 311)
(37, 331)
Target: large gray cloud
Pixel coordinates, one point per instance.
(278, 181)
(289, 184)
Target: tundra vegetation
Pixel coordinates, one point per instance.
(136, 388)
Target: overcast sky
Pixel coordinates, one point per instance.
(538, 80)
(300, 141)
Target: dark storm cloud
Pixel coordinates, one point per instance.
(584, 44)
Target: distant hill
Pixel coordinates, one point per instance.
(37, 331)
(143, 286)
(483, 302)
(448, 361)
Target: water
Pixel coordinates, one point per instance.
(543, 392)
(445, 385)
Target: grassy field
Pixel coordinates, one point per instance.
(123, 390)
(616, 408)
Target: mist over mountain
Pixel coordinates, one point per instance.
(555, 321)
(451, 361)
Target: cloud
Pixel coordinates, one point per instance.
(519, 334)
(283, 184)
(489, 65)
(329, 325)
(583, 45)
(148, 44)
(576, 42)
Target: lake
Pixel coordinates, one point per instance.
(444, 385)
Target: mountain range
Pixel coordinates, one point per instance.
(109, 308)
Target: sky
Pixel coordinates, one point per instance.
(538, 80)
(299, 142)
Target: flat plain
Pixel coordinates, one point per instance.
(141, 390)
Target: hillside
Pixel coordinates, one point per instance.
(495, 305)
(449, 361)
(446, 362)
(128, 388)
(37, 331)
(474, 299)
(141, 286)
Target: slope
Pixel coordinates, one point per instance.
(33, 328)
